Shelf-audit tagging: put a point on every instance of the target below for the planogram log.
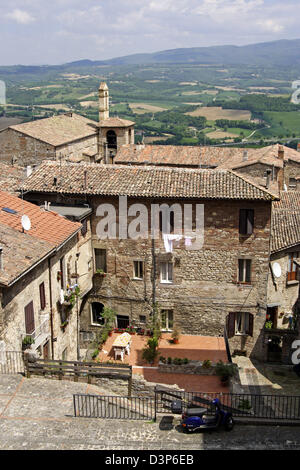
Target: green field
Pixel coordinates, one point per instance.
(165, 99)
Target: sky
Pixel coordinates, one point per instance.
(58, 31)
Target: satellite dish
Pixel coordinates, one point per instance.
(276, 269)
(26, 224)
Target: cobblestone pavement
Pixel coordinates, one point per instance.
(38, 414)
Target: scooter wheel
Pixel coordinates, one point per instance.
(229, 423)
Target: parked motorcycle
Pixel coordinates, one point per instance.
(194, 419)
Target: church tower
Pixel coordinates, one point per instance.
(103, 102)
(113, 131)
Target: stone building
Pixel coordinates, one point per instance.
(200, 290)
(67, 137)
(39, 266)
(283, 285)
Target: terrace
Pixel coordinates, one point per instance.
(191, 347)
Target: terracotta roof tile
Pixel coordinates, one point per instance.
(175, 155)
(45, 225)
(115, 122)
(143, 181)
(286, 221)
(58, 130)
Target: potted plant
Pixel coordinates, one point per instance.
(100, 272)
(176, 334)
(64, 325)
(27, 342)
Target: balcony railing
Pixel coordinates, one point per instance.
(40, 333)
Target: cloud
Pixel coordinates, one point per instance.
(65, 30)
(20, 16)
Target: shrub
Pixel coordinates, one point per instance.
(169, 360)
(225, 370)
(95, 353)
(186, 360)
(206, 364)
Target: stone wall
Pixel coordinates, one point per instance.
(25, 150)
(205, 287)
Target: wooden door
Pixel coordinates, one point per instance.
(46, 350)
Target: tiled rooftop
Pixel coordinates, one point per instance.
(286, 221)
(115, 122)
(143, 181)
(45, 225)
(175, 155)
(22, 250)
(58, 130)
(221, 157)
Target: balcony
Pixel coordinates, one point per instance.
(40, 334)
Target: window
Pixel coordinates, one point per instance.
(42, 296)
(29, 319)
(143, 319)
(246, 223)
(169, 222)
(239, 323)
(166, 272)
(167, 319)
(97, 309)
(138, 269)
(100, 259)
(292, 183)
(292, 266)
(245, 270)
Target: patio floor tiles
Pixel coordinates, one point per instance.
(189, 346)
(188, 382)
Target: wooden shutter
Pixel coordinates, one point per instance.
(250, 221)
(242, 222)
(29, 318)
(42, 296)
(251, 321)
(231, 325)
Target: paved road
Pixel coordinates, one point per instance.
(38, 414)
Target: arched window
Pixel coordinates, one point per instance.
(111, 138)
(97, 309)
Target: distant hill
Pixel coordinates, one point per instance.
(283, 53)
(276, 53)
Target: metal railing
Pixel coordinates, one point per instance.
(42, 330)
(265, 407)
(114, 407)
(11, 362)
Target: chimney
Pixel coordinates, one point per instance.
(28, 170)
(245, 155)
(268, 178)
(280, 175)
(281, 152)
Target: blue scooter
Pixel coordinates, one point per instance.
(194, 419)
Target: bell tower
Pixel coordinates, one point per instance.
(103, 102)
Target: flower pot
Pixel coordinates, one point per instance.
(110, 333)
(175, 341)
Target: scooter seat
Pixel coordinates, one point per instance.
(195, 411)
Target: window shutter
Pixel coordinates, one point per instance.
(29, 318)
(231, 324)
(250, 221)
(42, 296)
(251, 321)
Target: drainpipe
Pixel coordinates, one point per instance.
(51, 308)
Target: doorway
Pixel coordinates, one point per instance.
(122, 321)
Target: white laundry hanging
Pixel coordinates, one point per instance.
(168, 241)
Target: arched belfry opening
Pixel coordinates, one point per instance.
(111, 139)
